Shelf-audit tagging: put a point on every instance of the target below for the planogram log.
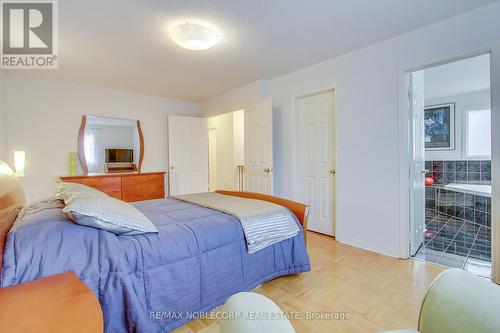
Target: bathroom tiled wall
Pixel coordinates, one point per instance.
(468, 207)
(465, 172)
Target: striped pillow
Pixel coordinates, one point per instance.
(65, 190)
(103, 212)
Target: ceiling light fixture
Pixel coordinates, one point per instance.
(196, 37)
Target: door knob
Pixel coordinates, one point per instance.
(332, 172)
(267, 170)
(172, 168)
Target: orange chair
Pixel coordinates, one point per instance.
(56, 304)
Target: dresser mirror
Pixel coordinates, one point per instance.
(110, 145)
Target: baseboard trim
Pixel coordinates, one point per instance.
(373, 247)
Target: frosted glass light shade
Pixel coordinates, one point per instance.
(19, 162)
(193, 36)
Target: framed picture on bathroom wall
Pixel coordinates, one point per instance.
(440, 127)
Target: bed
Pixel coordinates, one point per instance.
(152, 282)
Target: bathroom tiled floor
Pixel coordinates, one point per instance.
(456, 243)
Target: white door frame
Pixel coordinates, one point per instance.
(495, 161)
(210, 156)
(405, 142)
(297, 172)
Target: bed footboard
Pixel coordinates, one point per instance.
(298, 209)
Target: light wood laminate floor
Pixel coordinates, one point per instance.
(379, 292)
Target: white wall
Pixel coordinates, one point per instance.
(235, 99)
(368, 84)
(43, 118)
(239, 137)
(478, 100)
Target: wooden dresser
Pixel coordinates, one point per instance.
(125, 186)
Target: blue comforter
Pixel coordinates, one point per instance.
(153, 282)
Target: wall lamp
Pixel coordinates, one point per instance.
(19, 162)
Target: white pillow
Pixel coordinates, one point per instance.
(65, 190)
(104, 212)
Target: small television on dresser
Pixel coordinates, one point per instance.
(119, 155)
(119, 160)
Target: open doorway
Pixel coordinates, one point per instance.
(244, 148)
(226, 150)
(450, 199)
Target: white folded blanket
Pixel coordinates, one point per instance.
(264, 223)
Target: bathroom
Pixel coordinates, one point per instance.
(457, 121)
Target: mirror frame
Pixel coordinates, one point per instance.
(81, 146)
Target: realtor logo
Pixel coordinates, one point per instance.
(29, 35)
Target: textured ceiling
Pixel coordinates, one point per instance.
(123, 44)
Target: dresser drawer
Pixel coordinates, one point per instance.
(143, 187)
(112, 186)
(126, 187)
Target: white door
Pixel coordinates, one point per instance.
(187, 155)
(259, 147)
(417, 164)
(316, 125)
(212, 159)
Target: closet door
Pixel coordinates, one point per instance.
(187, 155)
(259, 147)
(317, 160)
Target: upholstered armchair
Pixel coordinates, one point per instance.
(459, 302)
(247, 303)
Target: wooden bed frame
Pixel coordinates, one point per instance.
(298, 209)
